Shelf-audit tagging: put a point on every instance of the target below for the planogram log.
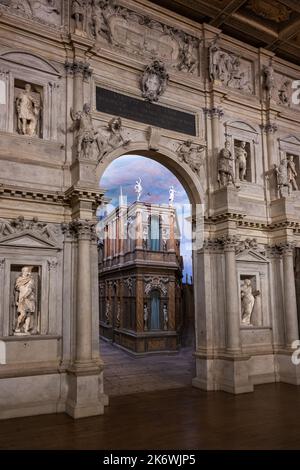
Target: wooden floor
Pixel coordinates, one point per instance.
(186, 418)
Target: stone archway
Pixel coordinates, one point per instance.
(191, 183)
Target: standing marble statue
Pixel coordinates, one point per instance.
(171, 195)
(187, 61)
(25, 300)
(225, 166)
(78, 14)
(281, 173)
(247, 301)
(241, 156)
(268, 81)
(27, 112)
(138, 188)
(146, 316)
(86, 134)
(292, 173)
(166, 318)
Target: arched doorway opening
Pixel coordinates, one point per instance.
(138, 314)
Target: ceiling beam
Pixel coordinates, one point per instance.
(285, 35)
(229, 10)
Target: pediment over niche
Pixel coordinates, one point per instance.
(290, 139)
(251, 256)
(241, 125)
(27, 239)
(30, 60)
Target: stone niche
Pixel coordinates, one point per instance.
(18, 70)
(290, 146)
(30, 276)
(239, 132)
(254, 266)
(25, 282)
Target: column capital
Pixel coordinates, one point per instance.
(214, 112)
(78, 67)
(229, 242)
(83, 229)
(269, 128)
(287, 248)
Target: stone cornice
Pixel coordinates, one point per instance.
(53, 197)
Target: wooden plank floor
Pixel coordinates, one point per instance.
(185, 418)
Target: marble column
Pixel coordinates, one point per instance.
(84, 301)
(232, 300)
(172, 234)
(290, 300)
(270, 130)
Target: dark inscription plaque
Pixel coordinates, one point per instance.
(142, 111)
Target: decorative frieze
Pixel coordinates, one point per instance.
(138, 34)
(47, 12)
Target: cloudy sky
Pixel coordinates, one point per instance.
(156, 180)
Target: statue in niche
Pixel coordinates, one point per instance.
(225, 166)
(154, 81)
(268, 81)
(78, 13)
(281, 172)
(187, 61)
(292, 173)
(191, 155)
(114, 140)
(25, 300)
(28, 110)
(146, 316)
(241, 156)
(86, 134)
(107, 312)
(284, 93)
(247, 301)
(166, 317)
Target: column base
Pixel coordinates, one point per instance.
(226, 373)
(85, 391)
(286, 371)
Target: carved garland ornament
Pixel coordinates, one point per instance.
(156, 283)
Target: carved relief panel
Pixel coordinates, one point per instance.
(230, 70)
(44, 11)
(138, 34)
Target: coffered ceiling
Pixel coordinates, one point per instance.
(272, 24)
